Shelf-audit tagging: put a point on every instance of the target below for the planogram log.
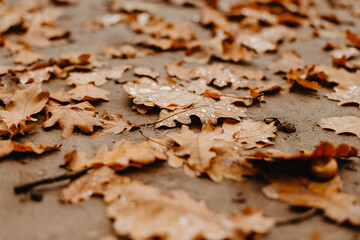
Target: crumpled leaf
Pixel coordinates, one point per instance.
(23, 105)
(208, 152)
(345, 124)
(124, 154)
(8, 146)
(207, 110)
(88, 92)
(149, 93)
(340, 76)
(71, 116)
(165, 215)
(27, 57)
(250, 133)
(289, 60)
(300, 191)
(113, 123)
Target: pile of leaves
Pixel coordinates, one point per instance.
(203, 100)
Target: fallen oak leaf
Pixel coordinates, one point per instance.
(321, 161)
(124, 154)
(146, 72)
(98, 78)
(198, 221)
(150, 93)
(113, 123)
(8, 146)
(345, 95)
(61, 96)
(299, 191)
(71, 116)
(23, 105)
(125, 51)
(345, 124)
(289, 60)
(207, 152)
(27, 57)
(88, 92)
(207, 110)
(250, 133)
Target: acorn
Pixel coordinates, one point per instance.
(324, 168)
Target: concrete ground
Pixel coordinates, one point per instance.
(21, 218)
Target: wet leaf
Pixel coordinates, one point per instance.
(345, 124)
(88, 92)
(208, 111)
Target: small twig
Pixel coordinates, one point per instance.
(151, 139)
(28, 186)
(298, 218)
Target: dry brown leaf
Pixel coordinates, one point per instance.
(27, 57)
(88, 92)
(125, 51)
(207, 110)
(249, 133)
(227, 49)
(37, 75)
(210, 152)
(23, 105)
(71, 116)
(61, 96)
(323, 150)
(98, 78)
(345, 95)
(345, 124)
(146, 72)
(353, 38)
(340, 76)
(8, 146)
(289, 60)
(165, 215)
(326, 196)
(113, 123)
(124, 154)
(77, 58)
(117, 72)
(149, 93)
(347, 52)
(44, 36)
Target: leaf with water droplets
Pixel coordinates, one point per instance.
(345, 124)
(150, 93)
(208, 111)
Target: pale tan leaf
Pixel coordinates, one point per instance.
(88, 92)
(27, 57)
(71, 116)
(23, 105)
(113, 123)
(124, 154)
(37, 75)
(98, 78)
(208, 111)
(165, 215)
(326, 196)
(146, 72)
(61, 96)
(8, 146)
(125, 51)
(250, 133)
(289, 60)
(345, 95)
(345, 124)
(146, 91)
